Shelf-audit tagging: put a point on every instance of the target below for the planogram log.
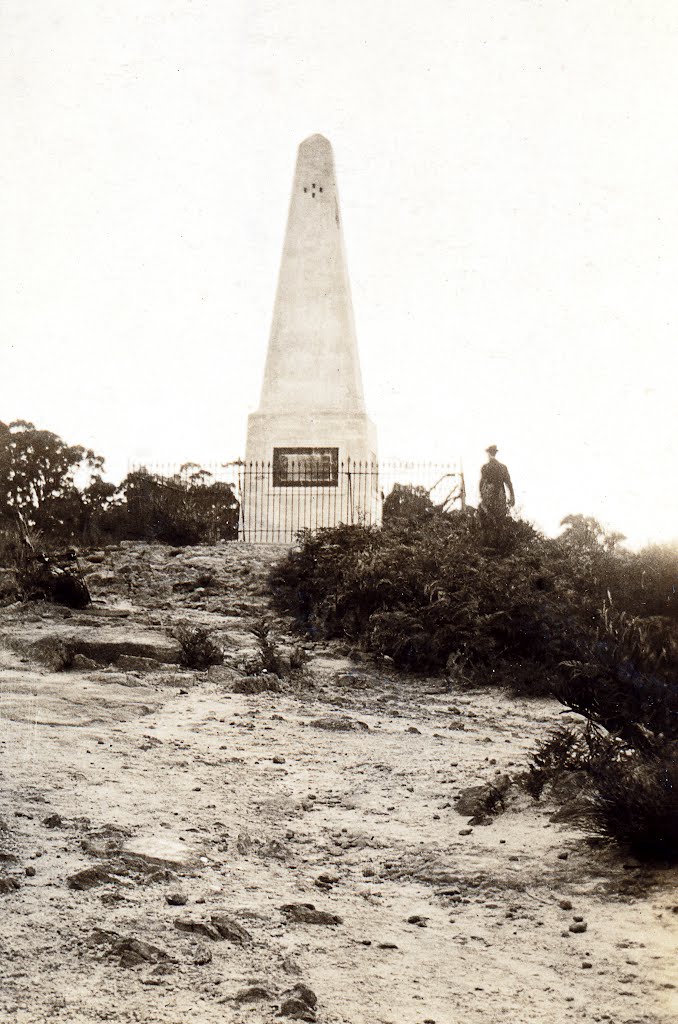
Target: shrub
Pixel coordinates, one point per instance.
(455, 585)
(625, 689)
(198, 650)
(635, 802)
(568, 751)
(625, 680)
(271, 659)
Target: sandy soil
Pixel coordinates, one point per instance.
(168, 784)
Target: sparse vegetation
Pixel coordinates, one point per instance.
(198, 649)
(271, 659)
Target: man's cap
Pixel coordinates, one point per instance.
(492, 450)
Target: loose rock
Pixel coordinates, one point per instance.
(305, 913)
(88, 878)
(340, 723)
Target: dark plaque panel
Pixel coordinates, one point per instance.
(305, 467)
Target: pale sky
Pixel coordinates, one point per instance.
(508, 175)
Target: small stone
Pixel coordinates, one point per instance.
(328, 879)
(586, 965)
(465, 831)
(53, 821)
(297, 1009)
(279, 759)
(303, 992)
(290, 966)
(563, 856)
(164, 969)
(128, 958)
(578, 927)
(299, 1003)
(565, 905)
(88, 878)
(387, 945)
(305, 913)
(8, 885)
(252, 994)
(177, 899)
(197, 927)
(30, 872)
(340, 723)
(577, 917)
(228, 928)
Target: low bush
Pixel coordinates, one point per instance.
(635, 802)
(487, 593)
(625, 689)
(271, 658)
(198, 650)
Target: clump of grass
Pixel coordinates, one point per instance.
(198, 649)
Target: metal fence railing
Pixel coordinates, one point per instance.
(276, 503)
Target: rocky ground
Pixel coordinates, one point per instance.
(174, 850)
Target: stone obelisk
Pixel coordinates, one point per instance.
(311, 419)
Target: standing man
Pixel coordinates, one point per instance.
(495, 482)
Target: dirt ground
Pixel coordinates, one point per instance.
(154, 824)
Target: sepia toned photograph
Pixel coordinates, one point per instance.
(338, 512)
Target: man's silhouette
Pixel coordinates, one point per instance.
(494, 483)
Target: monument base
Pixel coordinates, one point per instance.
(306, 474)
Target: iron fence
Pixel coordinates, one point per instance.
(274, 507)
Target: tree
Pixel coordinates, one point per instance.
(187, 508)
(44, 479)
(587, 534)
